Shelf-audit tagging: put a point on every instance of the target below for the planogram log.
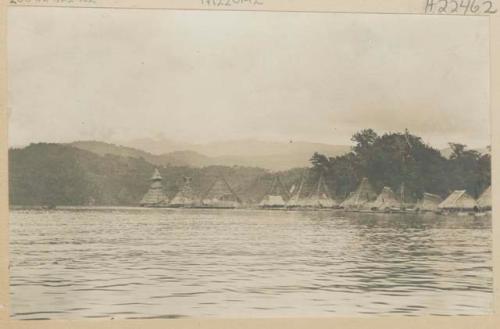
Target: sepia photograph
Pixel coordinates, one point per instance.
(168, 164)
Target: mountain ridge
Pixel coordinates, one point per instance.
(251, 153)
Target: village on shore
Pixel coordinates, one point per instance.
(364, 199)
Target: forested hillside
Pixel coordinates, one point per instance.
(57, 174)
(395, 158)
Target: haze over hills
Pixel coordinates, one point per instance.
(249, 153)
(176, 158)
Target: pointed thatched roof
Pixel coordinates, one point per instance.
(429, 202)
(320, 196)
(185, 197)
(297, 199)
(386, 199)
(220, 194)
(156, 175)
(155, 195)
(277, 195)
(458, 200)
(485, 199)
(363, 194)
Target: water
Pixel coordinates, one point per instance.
(167, 263)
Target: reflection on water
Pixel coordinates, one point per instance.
(167, 263)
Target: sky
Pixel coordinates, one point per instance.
(195, 76)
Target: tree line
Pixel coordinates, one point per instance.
(403, 159)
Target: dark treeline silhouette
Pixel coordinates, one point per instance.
(395, 158)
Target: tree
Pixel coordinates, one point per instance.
(396, 158)
(364, 140)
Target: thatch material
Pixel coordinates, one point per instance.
(429, 202)
(485, 199)
(363, 194)
(320, 196)
(459, 200)
(220, 195)
(185, 197)
(155, 196)
(386, 200)
(272, 201)
(276, 197)
(297, 199)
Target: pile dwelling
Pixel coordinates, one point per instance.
(276, 197)
(429, 202)
(220, 195)
(386, 200)
(485, 200)
(459, 201)
(358, 199)
(185, 198)
(155, 197)
(297, 200)
(320, 196)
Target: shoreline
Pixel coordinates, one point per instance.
(487, 214)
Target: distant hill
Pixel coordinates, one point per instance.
(106, 174)
(44, 174)
(177, 158)
(269, 155)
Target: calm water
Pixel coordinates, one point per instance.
(162, 263)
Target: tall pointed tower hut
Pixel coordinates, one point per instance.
(320, 196)
(185, 198)
(220, 195)
(276, 197)
(155, 197)
(359, 198)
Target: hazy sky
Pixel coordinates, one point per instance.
(79, 74)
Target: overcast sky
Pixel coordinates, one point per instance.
(80, 74)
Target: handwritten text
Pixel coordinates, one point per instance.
(231, 3)
(460, 7)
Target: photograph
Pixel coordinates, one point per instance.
(168, 164)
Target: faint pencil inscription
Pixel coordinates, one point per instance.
(231, 3)
(460, 7)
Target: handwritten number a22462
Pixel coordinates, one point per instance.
(460, 7)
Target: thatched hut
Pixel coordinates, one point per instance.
(484, 201)
(185, 197)
(359, 198)
(320, 196)
(155, 197)
(459, 201)
(429, 202)
(276, 197)
(220, 195)
(386, 200)
(297, 200)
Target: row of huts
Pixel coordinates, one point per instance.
(364, 198)
(219, 195)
